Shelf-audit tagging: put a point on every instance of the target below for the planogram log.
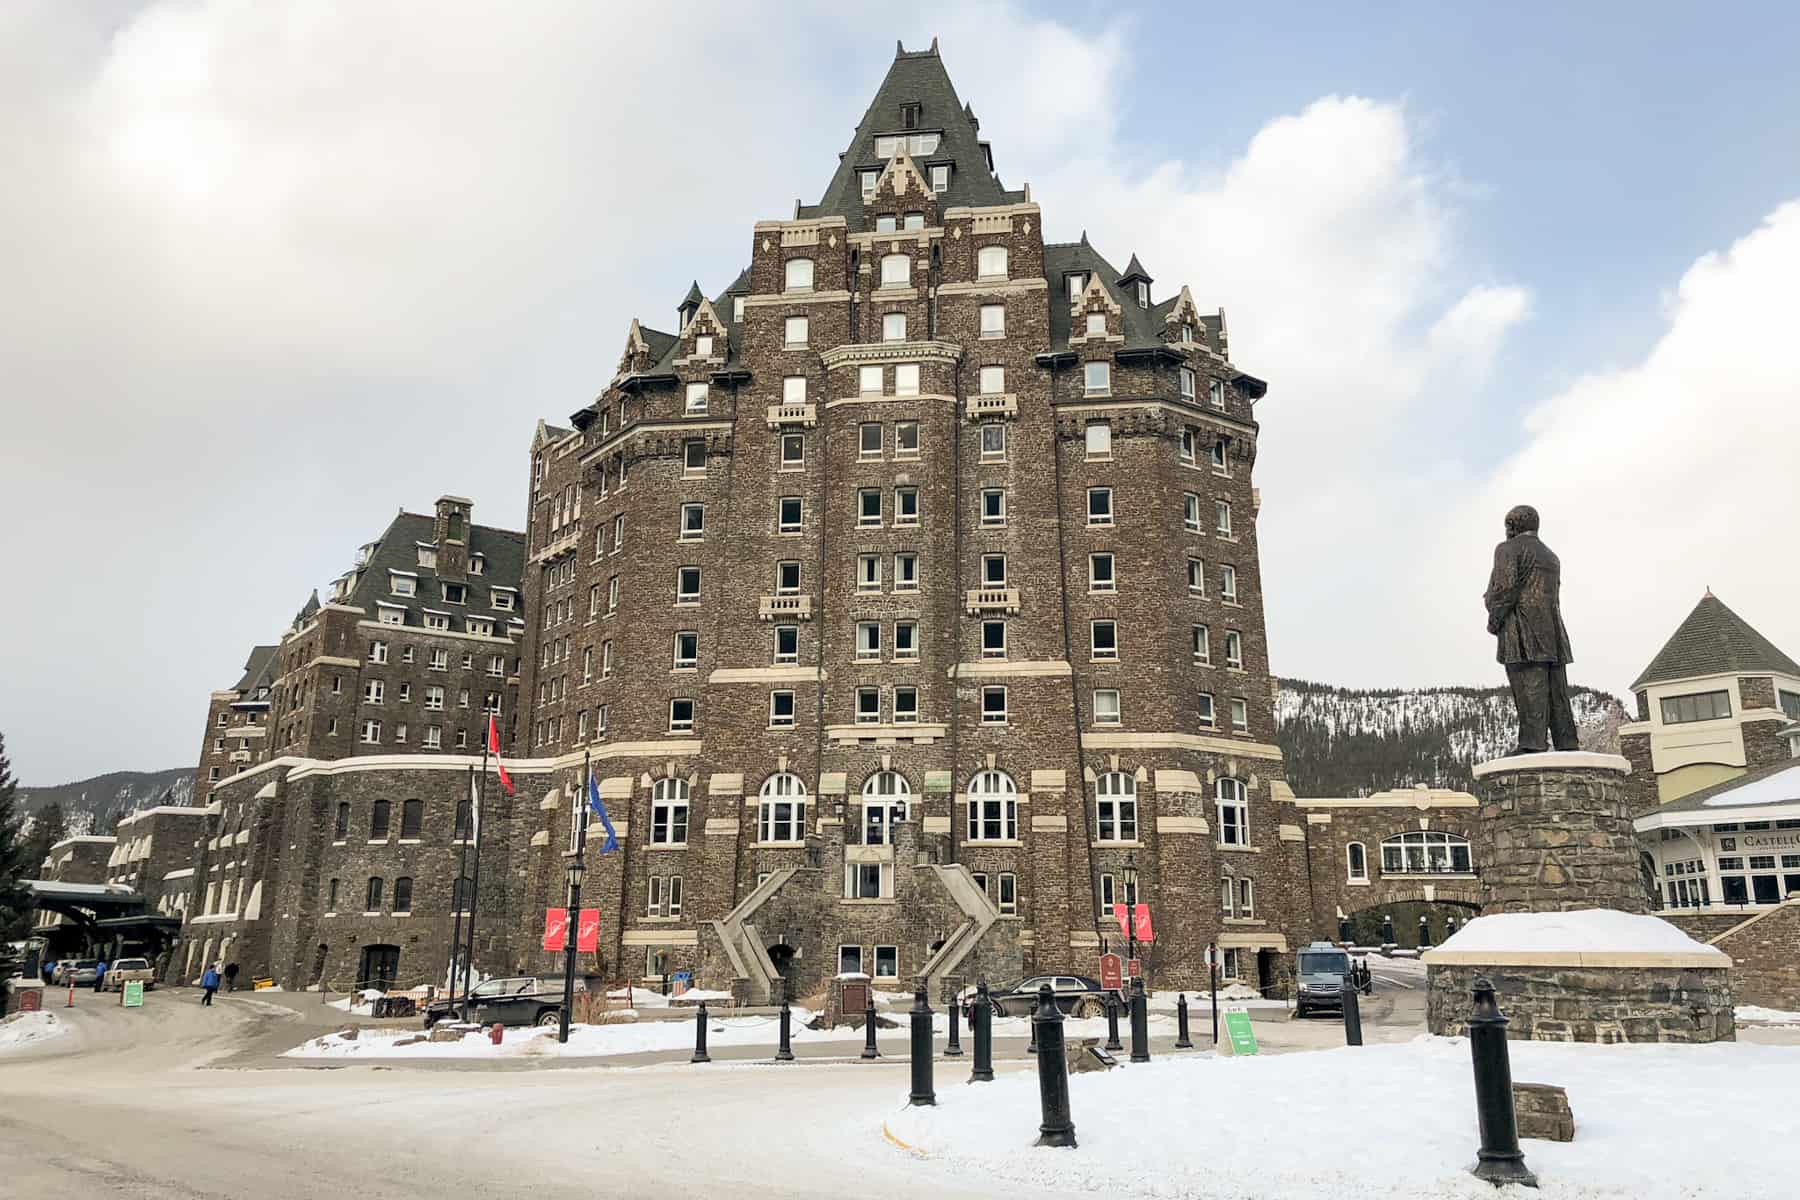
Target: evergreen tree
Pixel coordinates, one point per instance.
(15, 861)
(48, 827)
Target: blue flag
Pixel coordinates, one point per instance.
(594, 802)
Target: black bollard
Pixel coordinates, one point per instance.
(1112, 1022)
(785, 1051)
(1031, 1047)
(1424, 931)
(981, 1025)
(1181, 1023)
(1449, 928)
(869, 1050)
(1057, 1127)
(1499, 1160)
(1387, 931)
(922, 1093)
(953, 1047)
(1352, 1012)
(1140, 1022)
(1344, 931)
(700, 1054)
(1212, 970)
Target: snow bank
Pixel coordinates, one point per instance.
(585, 1041)
(1767, 1016)
(1279, 1125)
(22, 1029)
(1588, 930)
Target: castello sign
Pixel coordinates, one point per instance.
(1771, 841)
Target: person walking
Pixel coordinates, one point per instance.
(100, 975)
(231, 970)
(210, 983)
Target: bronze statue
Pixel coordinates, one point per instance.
(1525, 614)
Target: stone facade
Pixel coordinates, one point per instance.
(1597, 1003)
(154, 852)
(1407, 845)
(1557, 837)
(237, 724)
(1765, 957)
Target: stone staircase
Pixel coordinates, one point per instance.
(750, 965)
(979, 916)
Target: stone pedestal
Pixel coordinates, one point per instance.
(1567, 997)
(1555, 834)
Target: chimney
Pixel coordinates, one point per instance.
(450, 534)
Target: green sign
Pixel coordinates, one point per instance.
(134, 994)
(1237, 1028)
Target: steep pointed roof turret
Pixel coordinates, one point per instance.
(694, 296)
(1134, 270)
(1713, 640)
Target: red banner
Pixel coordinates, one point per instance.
(1140, 917)
(556, 928)
(587, 933)
(1124, 920)
(1112, 972)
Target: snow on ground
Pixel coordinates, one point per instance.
(585, 1041)
(21, 1029)
(1588, 929)
(1395, 1119)
(1767, 1016)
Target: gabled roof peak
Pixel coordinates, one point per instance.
(900, 50)
(1135, 270)
(693, 296)
(1713, 640)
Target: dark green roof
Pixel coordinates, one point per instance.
(915, 78)
(259, 670)
(1714, 641)
(501, 550)
(1135, 270)
(1142, 327)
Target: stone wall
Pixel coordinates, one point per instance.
(1556, 835)
(1553, 1003)
(1765, 957)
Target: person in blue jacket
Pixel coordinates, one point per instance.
(100, 975)
(210, 982)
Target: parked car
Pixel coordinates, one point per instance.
(520, 1000)
(129, 970)
(75, 970)
(1076, 996)
(1319, 971)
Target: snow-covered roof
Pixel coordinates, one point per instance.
(1590, 936)
(1770, 792)
(57, 887)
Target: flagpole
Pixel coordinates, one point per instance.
(577, 865)
(475, 878)
(456, 896)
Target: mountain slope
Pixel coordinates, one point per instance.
(1352, 742)
(98, 803)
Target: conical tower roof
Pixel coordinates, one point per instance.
(1714, 641)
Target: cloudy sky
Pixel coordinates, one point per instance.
(274, 271)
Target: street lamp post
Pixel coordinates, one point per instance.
(1131, 899)
(576, 869)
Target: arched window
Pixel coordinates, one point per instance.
(1115, 808)
(991, 262)
(885, 801)
(669, 812)
(403, 894)
(1356, 860)
(412, 818)
(993, 807)
(378, 820)
(896, 270)
(1234, 812)
(1426, 852)
(781, 814)
(799, 274)
(374, 895)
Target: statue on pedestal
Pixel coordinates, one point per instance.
(1525, 614)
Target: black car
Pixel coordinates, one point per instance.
(1076, 996)
(520, 1000)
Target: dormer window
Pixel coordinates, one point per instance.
(909, 114)
(427, 556)
(455, 593)
(1076, 283)
(940, 177)
(868, 183)
(1143, 294)
(737, 308)
(799, 274)
(1187, 332)
(402, 585)
(477, 565)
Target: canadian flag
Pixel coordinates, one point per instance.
(494, 749)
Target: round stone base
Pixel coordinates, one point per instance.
(1587, 1002)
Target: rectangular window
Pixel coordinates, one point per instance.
(906, 572)
(618, 532)
(687, 585)
(1100, 573)
(993, 442)
(372, 691)
(993, 381)
(1099, 439)
(799, 274)
(940, 178)
(993, 706)
(906, 439)
(693, 522)
(378, 653)
(1228, 584)
(1096, 324)
(788, 515)
(993, 639)
(1697, 706)
(434, 699)
(1222, 517)
(795, 331)
(1187, 382)
(868, 507)
(1074, 284)
(868, 706)
(869, 179)
(1190, 512)
(787, 644)
(993, 320)
(993, 570)
(696, 398)
(606, 660)
(868, 573)
(612, 595)
(1097, 378)
(868, 381)
(1106, 706)
(906, 379)
(868, 443)
(1202, 644)
(1240, 714)
(781, 710)
(793, 450)
(371, 732)
(896, 270)
(906, 640)
(993, 506)
(849, 960)
(1203, 711)
(787, 578)
(681, 716)
(906, 506)
(1104, 640)
(887, 962)
(893, 328)
(1234, 648)
(703, 345)
(793, 389)
(1196, 576)
(687, 649)
(1186, 453)
(1099, 506)
(868, 641)
(1008, 894)
(1215, 393)
(906, 705)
